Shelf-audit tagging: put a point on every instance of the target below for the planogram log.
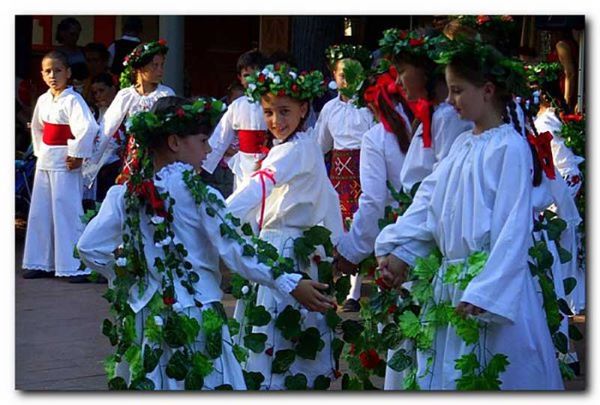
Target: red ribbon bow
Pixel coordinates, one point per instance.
(541, 143)
(384, 86)
(421, 109)
(268, 173)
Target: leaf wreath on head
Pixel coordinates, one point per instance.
(348, 51)
(139, 57)
(283, 80)
(505, 71)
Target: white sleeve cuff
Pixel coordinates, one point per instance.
(286, 283)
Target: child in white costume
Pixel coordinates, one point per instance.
(290, 194)
(140, 88)
(340, 129)
(178, 147)
(478, 199)
(62, 131)
(242, 124)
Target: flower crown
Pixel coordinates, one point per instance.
(486, 21)
(348, 51)
(508, 72)
(137, 56)
(544, 72)
(397, 42)
(282, 80)
(146, 125)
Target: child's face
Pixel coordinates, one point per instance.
(55, 74)
(103, 94)
(338, 74)
(193, 149)
(283, 114)
(153, 71)
(243, 75)
(468, 99)
(412, 79)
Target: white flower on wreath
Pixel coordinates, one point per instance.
(245, 290)
(293, 75)
(271, 75)
(146, 47)
(121, 262)
(165, 242)
(157, 220)
(158, 320)
(276, 79)
(252, 86)
(265, 71)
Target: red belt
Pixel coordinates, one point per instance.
(251, 141)
(56, 134)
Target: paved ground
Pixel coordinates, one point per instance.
(59, 344)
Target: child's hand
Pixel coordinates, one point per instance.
(341, 264)
(394, 271)
(307, 293)
(73, 162)
(464, 309)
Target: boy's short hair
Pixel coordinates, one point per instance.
(251, 59)
(58, 55)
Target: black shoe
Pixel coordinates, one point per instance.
(351, 305)
(79, 279)
(30, 274)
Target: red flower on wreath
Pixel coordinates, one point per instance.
(403, 34)
(572, 117)
(281, 93)
(482, 19)
(294, 87)
(162, 42)
(168, 301)
(369, 359)
(380, 284)
(180, 113)
(416, 41)
(261, 78)
(392, 308)
(147, 192)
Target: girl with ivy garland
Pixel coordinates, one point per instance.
(165, 275)
(288, 195)
(438, 123)
(477, 200)
(141, 86)
(339, 129)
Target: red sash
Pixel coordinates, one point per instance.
(56, 134)
(252, 141)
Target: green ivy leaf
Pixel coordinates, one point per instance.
(133, 355)
(247, 229)
(151, 358)
(193, 381)
(351, 330)
(466, 328)
(569, 283)
(296, 382)
(426, 268)
(142, 384)
(109, 330)
(391, 336)
(253, 380)
(560, 342)
(211, 321)
(325, 272)
(117, 384)
(178, 366)
(555, 227)
(321, 383)
(337, 345)
(332, 318)
(467, 364)
(400, 361)
(214, 344)
(288, 322)
(237, 283)
(152, 331)
(258, 315)
(234, 326)
(351, 383)
(240, 353)
(309, 343)
(564, 307)
(282, 361)
(410, 382)
(342, 288)
(224, 387)
(255, 342)
(574, 333)
(422, 291)
(409, 324)
(564, 255)
(201, 365)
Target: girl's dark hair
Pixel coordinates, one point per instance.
(58, 55)
(144, 60)
(104, 78)
(65, 24)
(250, 59)
(552, 96)
(470, 68)
(189, 127)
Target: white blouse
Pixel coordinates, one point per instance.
(341, 125)
(68, 108)
(193, 227)
(446, 126)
